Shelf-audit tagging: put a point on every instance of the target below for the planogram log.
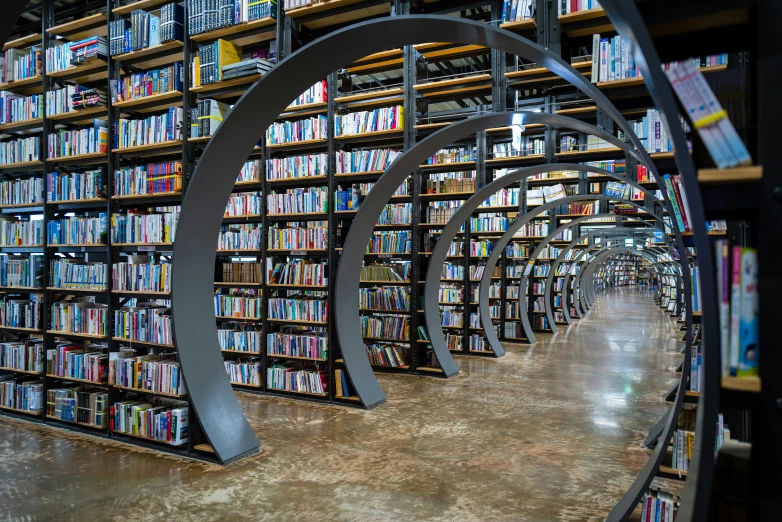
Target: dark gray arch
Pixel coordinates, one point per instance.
(601, 259)
(483, 296)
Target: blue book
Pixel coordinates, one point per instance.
(154, 30)
(345, 391)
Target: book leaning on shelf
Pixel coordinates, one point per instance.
(63, 55)
(387, 355)
(207, 65)
(160, 128)
(393, 328)
(21, 191)
(153, 178)
(304, 272)
(25, 355)
(207, 117)
(208, 15)
(21, 271)
(75, 186)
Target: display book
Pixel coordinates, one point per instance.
(144, 29)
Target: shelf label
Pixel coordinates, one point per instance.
(298, 252)
(385, 256)
(83, 249)
(147, 248)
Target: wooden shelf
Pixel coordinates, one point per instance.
(76, 115)
(146, 5)
(76, 201)
(238, 31)
(299, 392)
(74, 379)
(20, 329)
(448, 165)
(22, 164)
(429, 369)
(22, 205)
(519, 25)
(24, 41)
(294, 321)
(369, 95)
(602, 150)
(150, 147)
(242, 81)
(293, 144)
(303, 178)
(140, 244)
(577, 110)
(509, 159)
(55, 245)
(306, 287)
(585, 14)
(28, 372)
(98, 157)
(93, 25)
(30, 289)
(234, 318)
(26, 412)
(203, 447)
(356, 174)
(582, 67)
(58, 289)
(145, 100)
(236, 285)
(6, 127)
(743, 384)
(90, 71)
(163, 442)
(150, 392)
(453, 82)
(370, 134)
(154, 56)
(148, 196)
(281, 356)
(140, 292)
(294, 215)
(18, 84)
(241, 352)
(735, 175)
(425, 126)
(354, 398)
(148, 343)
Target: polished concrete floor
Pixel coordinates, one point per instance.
(549, 432)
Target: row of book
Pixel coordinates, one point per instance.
(156, 418)
(18, 312)
(298, 201)
(387, 355)
(512, 149)
(145, 30)
(390, 273)
(298, 309)
(315, 128)
(452, 155)
(244, 236)
(240, 340)
(244, 204)
(20, 150)
(574, 6)
(148, 323)
(74, 142)
(81, 404)
(158, 373)
(77, 275)
(21, 191)
(397, 242)
(20, 64)
(21, 233)
(21, 393)
(208, 15)
(304, 272)
(287, 377)
(312, 238)
(140, 275)
(390, 298)
(21, 271)
(241, 272)
(153, 178)
(139, 227)
(246, 373)
(147, 83)
(308, 346)
(64, 54)
(77, 231)
(26, 356)
(83, 317)
(75, 186)
(364, 160)
(392, 328)
(386, 118)
(76, 361)
(297, 166)
(517, 10)
(450, 294)
(159, 128)
(241, 307)
(71, 98)
(16, 108)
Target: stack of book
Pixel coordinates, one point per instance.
(246, 68)
(206, 117)
(89, 49)
(207, 65)
(88, 98)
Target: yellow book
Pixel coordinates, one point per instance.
(196, 71)
(227, 53)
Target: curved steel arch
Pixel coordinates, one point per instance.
(195, 332)
(600, 265)
(483, 298)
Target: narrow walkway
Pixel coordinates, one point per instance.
(549, 432)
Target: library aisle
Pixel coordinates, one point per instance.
(552, 431)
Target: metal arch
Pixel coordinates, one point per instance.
(483, 299)
(549, 280)
(602, 258)
(627, 20)
(389, 181)
(195, 332)
(603, 266)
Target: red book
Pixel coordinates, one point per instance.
(675, 183)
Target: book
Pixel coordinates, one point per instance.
(735, 310)
(748, 314)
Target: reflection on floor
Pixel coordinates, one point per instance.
(549, 432)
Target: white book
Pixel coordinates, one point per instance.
(603, 59)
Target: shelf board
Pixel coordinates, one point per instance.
(535, 71)
(306, 287)
(148, 196)
(149, 343)
(24, 41)
(22, 164)
(519, 25)
(6, 127)
(343, 11)
(92, 157)
(56, 245)
(743, 384)
(370, 134)
(240, 82)
(146, 5)
(149, 147)
(20, 329)
(425, 126)
(353, 398)
(448, 165)
(307, 107)
(236, 31)
(369, 95)
(58, 289)
(30, 289)
(294, 144)
(453, 82)
(299, 392)
(150, 392)
(281, 356)
(152, 99)
(93, 25)
(386, 283)
(18, 84)
(429, 369)
(584, 14)
(163, 442)
(304, 178)
(509, 159)
(74, 379)
(294, 321)
(76, 201)
(139, 244)
(93, 70)
(602, 150)
(450, 53)
(156, 55)
(26, 412)
(241, 319)
(28, 372)
(577, 110)
(21, 205)
(76, 115)
(670, 472)
(236, 285)
(735, 175)
(140, 292)
(241, 352)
